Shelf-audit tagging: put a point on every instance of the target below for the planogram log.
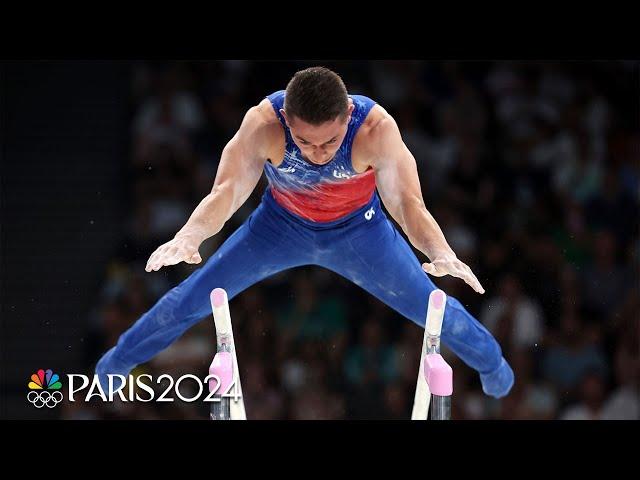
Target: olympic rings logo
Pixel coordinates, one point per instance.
(40, 399)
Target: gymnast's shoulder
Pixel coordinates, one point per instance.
(373, 133)
(263, 130)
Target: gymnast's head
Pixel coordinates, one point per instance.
(317, 110)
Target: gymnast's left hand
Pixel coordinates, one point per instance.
(449, 264)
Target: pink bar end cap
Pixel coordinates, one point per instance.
(438, 298)
(218, 297)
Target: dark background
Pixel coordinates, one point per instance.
(531, 168)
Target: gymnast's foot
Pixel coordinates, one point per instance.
(110, 364)
(498, 382)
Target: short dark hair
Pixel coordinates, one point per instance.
(316, 95)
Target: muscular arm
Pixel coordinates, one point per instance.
(399, 187)
(238, 174)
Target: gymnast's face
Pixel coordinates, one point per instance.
(319, 143)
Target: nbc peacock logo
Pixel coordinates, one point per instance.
(45, 389)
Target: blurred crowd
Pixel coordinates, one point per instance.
(532, 169)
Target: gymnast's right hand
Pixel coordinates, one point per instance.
(183, 248)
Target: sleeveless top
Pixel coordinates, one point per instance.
(321, 193)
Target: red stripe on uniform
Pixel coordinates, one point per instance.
(328, 201)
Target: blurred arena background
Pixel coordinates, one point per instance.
(531, 168)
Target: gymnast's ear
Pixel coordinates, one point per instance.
(350, 109)
(284, 115)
